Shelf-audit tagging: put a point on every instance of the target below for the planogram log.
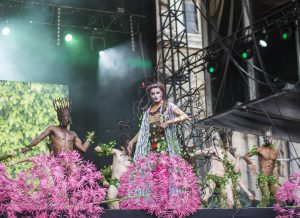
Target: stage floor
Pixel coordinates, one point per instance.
(202, 213)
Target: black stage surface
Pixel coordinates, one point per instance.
(202, 213)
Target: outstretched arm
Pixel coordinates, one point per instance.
(85, 146)
(204, 152)
(38, 139)
(21, 160)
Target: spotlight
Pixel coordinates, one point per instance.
(101, 53)
(285, 33)
(5, 31)
(246, 51)
(212, 66)
(263, 38)
(68, 37)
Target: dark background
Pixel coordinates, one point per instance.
(279, 59)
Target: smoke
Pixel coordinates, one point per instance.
(119, 76)
(29, 52)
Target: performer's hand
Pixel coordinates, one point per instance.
(191, 154)
(106, 184)
(98, 149)
(12, 163)
(12, 154)
(250, 196)
(164, 125)
(92, 135)
(252, 168)
(130, 147)
(25, 149)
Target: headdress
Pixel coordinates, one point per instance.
(266, 129)
(225, 134)
(155, 85)
(62, 106)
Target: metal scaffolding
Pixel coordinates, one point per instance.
(67, 16)
(197, 62)
(173, 46)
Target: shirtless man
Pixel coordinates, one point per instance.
(267, 156)
(216, 177)
(61, 138)
(121, 161)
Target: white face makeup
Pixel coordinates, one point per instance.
(156, 95)
(268, 137)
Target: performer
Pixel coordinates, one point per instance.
(267, 156)
(159, 180)
(158, 125)
(61, 137)
(220, 161)
(121, 161)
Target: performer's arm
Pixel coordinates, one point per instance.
(243, 186)
(38, 139)
(104, 181)
(204, 152)
(85, 146)
(250, 163)
(131, 143)
(21, 160)
(236, 163)
(181, 117)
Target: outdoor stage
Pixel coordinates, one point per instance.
(202, 213)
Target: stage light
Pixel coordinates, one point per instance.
(285, 33)
(101, 53)
(245, 48)
(5, 31)
(68, 37)
(263, 38)
(212, 66)
(246, 51)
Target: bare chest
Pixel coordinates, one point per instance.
(268, 153)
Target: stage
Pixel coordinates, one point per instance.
(202, 213)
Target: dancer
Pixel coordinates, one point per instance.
(121, 161)
(220, 160)
(159, 180)
(158, 132)
(61, 137)
(267, 156)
